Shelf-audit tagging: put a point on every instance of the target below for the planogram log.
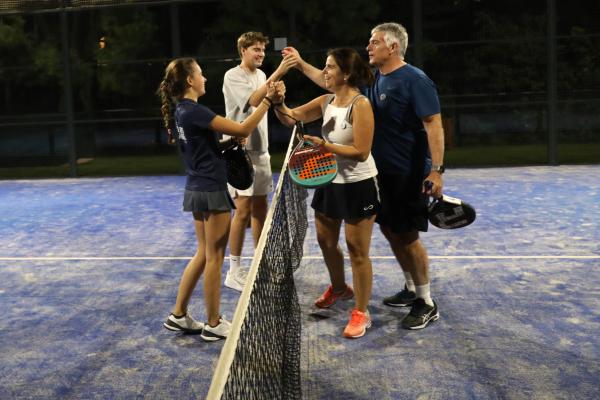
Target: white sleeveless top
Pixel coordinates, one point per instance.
(337, 129)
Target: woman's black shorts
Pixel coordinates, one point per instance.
(348, 200)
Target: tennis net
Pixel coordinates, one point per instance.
(261, 357)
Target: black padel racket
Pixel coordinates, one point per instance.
(240, 172)
(449, 212)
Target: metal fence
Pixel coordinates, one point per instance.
(78, 77)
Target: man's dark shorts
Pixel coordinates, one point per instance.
(403, 205)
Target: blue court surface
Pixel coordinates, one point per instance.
(89, 270)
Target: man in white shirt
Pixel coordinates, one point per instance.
(244, 87)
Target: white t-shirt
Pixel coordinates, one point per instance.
(238, 86)
(337, 130)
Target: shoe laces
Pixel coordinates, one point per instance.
(418, 308)
(243, 273)
(358, 317)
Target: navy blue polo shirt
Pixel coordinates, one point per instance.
(204, 164)
(400, 99)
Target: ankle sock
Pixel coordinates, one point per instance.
(410, 284)
(423, 292)
(234, 263)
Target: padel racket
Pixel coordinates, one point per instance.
(310, 165)
(449, 212)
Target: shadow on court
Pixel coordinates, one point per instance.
(89, 270)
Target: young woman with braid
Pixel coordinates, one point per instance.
(206, 197)
(353, 197)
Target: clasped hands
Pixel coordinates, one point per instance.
(276, 92)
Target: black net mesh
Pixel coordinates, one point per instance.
(266, 364)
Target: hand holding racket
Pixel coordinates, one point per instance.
(433, 185)
(311, 165)
(447, 212)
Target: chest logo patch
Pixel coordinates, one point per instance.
(382, 96)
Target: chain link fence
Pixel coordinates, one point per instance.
(499, 103)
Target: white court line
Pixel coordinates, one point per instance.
(482, 257)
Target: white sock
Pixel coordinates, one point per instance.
(234, 263)
(423, 292)
(410, 284)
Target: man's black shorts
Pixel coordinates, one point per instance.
(403, 204)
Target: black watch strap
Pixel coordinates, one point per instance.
(438, 168)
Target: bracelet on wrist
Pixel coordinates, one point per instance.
(268, 99)
(266, 103)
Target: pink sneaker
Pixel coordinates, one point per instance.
(358, 324)
(329, 298)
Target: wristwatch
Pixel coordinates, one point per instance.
(439, 168)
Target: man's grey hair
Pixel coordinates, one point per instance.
(393, 33)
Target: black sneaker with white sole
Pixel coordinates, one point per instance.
(401, 299)
(420, 315)
(185, 324)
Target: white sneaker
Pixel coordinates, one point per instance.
(236, 280)
(214, 333)
(185, 324)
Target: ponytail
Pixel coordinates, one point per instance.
(164, 92)
(171, 90)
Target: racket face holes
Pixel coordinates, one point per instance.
(311, 167)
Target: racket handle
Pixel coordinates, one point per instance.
(227, 144)
(428, 185)
(300, 130)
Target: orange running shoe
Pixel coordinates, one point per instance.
(358, 324)
(329, 298)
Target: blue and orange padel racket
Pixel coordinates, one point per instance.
(310, 165)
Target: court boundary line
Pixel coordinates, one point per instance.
(159, 258)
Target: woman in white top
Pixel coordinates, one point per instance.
(353, 196)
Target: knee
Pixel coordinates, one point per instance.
(326, 243)
(243, 212)
(259, 206)
(358, 261)
(358, 255)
